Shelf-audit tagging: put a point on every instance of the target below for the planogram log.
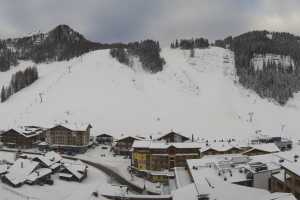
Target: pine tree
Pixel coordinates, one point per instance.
(3, 94)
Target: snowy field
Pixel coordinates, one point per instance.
(197, 96)
(61, 190)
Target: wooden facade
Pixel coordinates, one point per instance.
(104, 139)
(288, 182)
(173, 137)
(124, 145)
(66, 139)
(15, 139)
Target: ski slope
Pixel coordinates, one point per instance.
(197, 96)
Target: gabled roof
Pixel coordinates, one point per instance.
(128, 136)
(27, 131)
(48, 159)
(73, 126)
(76, 168)
(104, 134)
(219, 146)
(19, 171)
(38, 174)
(268, 148)
(158, 137)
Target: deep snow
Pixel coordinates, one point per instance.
(197, 95)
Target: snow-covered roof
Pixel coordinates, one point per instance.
(104, 135)
(293, 167)
(159, 135)
(4, 168)
(220, 146)
(48, 159)
(53, 156)
(76, 126)
(28, 131)
(182, 177)
(231, 167)
(19, 171)
(128, 136)
(76, 168)
(38, 174)
(226, 191)
(163, 145)
(270, 148)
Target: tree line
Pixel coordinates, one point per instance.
(7, 57)
(199, 43)
(148, 52)
(19, 80)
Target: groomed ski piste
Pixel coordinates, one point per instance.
(199, 96)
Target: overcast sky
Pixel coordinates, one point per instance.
(164, 20)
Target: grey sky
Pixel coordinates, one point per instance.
(164, 20)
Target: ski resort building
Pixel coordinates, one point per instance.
(123, 145)
(105, 139)
(156, 159)
(283, 144)
(22, 137)
(69, 138)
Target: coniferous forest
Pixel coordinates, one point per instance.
(274, 80)
(148, 52)
(199, 43)
(19, 80)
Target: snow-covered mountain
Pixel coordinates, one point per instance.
(199, 96)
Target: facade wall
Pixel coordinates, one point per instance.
(14, 139)
(161, 159)
(123, 146)
(63, 136)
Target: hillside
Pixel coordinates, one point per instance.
(197, 95)
(267, 62)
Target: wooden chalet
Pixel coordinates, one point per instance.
(123, 145)
(22, 137)
(105, 139)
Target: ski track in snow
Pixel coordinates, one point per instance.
(199, 95)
